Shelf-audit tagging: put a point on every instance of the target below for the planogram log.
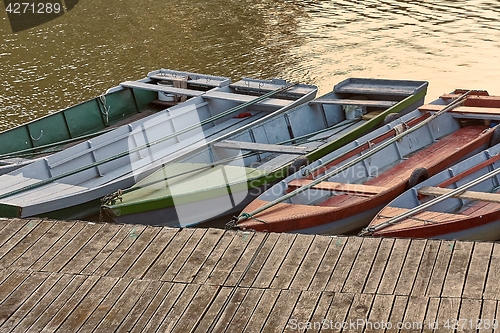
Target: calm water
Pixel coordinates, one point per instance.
(100, 43)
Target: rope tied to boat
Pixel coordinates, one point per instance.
(112, 198)
(104, 112)
(234, 221)
(41, 134)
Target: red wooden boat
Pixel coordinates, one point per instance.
(375, 169)
(431, 210)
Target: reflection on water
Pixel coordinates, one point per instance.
(100, 43)
(451, 44)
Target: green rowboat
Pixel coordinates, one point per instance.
(120, 105)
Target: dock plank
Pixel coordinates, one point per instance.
(415, 313)
(309, 279)
(310, 263)
(240, 247)
(379, 265)
(303, 310)
(202, 251)
(358, 312)
(42, 245)
(447, 313)
(195, 310)
(266, 244)
(56, 247)
(107, 304)
(11, 240)
(430, 322)
(29, 304)
(425, 269)
(63, 257)
(379, 313)
(395, 263)
(275, 259)
(131, 255)
(280, 314)
(90, 250)
(11, 283)
(161, 310)
(8, 228)
(328, 264)
(17, 298)
(489, 311)
(182, 256)
(242, 303)
(171, 250)
(209, 317)
(410, 267)
(151, 254)
(65, 305)
(397, 313)
(150, 292)
(292, 261)
(126, 306)
(85, 307)
(151, 305)
(439, 270)
(37, 314)
(114, 252)
(457, 270)
(324, 309)
(344, 265)
(362, 265)
(258, 319)
(492, 288)
(477, 274)
(470, 311)
(206, 270)
(25, 243)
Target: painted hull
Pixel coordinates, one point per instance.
(466, 217)
(375, 181)
(118, 106)
(187, 214)
(328, 123)
(88, 171)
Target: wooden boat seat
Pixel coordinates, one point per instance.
(275, 102)
(476, 112)
(377, 89)
(425, 217)
(201, 81)
(244, 85)
(358, 189)
(263, 147)
(160, 88)
(472, 195)
(360, 102)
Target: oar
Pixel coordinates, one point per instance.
(243, 216)
(123, 154)
(424, 206)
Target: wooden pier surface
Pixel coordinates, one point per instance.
(88, 277)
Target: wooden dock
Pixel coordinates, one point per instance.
(90, 277)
